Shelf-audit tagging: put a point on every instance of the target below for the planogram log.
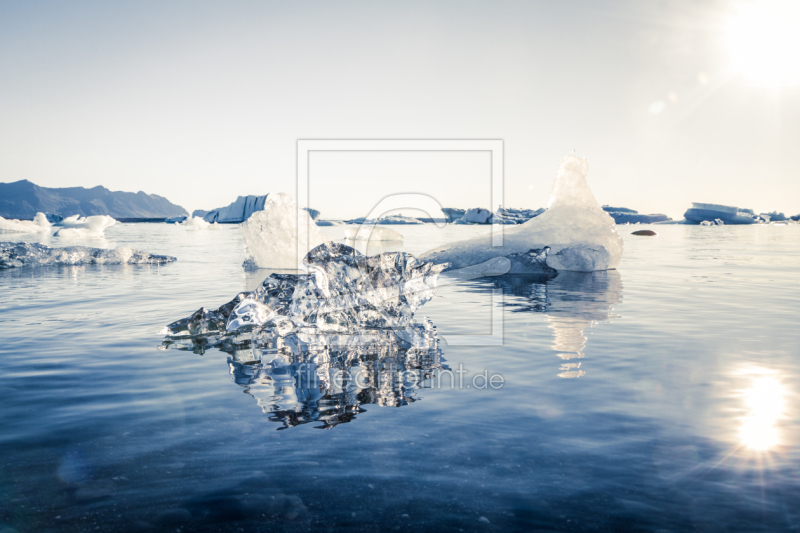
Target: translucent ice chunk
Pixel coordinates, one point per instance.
(21, 254)
(371, 233)
(343, 292)
(271, 236)
(39, 224)
(581, 236)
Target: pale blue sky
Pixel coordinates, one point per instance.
(201, 102)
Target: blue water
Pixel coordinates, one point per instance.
(661, 397)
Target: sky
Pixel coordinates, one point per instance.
(672, 102)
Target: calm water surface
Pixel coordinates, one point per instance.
(662, 396)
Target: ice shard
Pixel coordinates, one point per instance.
(580, 235)
(22, 254)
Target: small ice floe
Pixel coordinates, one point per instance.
(575, 233)
(22, 254)
(77, 226)
(371, 233)
(272, 235)
(398, 219)
(197, 223)
(39, 224)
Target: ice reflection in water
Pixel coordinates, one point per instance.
(329, 381)
(572, 303)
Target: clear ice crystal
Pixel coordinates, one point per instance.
(343, 292)
(20, 254)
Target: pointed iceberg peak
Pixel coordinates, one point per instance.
(570, 187)
(580, 235)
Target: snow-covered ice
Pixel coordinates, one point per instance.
(271, 235)
(77, 226)
(197, 223)
(20, 254)
(581, 236)
(39, 224)
(371, 233)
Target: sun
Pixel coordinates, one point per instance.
(763, 39)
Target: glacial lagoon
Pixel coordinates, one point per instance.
(660, 396)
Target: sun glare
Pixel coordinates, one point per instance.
(764, 42)
(765, 406)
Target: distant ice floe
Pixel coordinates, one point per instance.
(23, 254)
(271, 235)
(74, 226)
(574, 234)
(77, 226)
(371, 233)
(197, 223)
(39, 224)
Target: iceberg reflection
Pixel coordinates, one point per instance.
(572, 302)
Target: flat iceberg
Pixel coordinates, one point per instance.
(271, 236)
(39, 224)
(21, 254)
(575, 234)
(701, 212)
(371, 233)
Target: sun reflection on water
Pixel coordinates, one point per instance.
(764, 403)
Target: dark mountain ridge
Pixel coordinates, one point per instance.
(23, 199)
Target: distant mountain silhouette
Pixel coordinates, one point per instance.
(23, 199)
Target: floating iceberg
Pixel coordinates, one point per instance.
(343, 292)
(77, 226)
(476, 215)
(397, 219)
(371, 233)
(39, 224)
(510, 215)
(241, 210)
(700, 212)
(197, 223)
(329, 340)
(22, 254)
(575, 234)
(271, 236)
(177, 220)
(623, 215)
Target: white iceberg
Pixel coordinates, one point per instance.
(476, 215)
(271, 235)
(580, 235)
(371, 233)
(39, 224)
(77, 226)
(197, 223)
